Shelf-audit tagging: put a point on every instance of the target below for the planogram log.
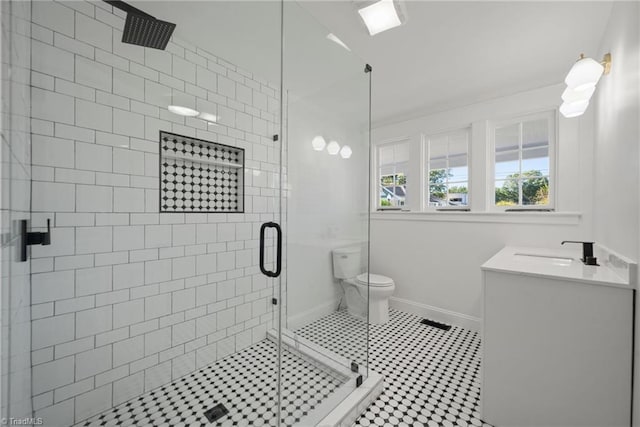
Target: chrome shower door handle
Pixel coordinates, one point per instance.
(278, 269)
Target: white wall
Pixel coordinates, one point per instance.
(15, 175)
(435, 258)
(617, 119)
(126, 299)
(326, 202)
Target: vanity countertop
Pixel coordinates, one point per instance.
(559, 264)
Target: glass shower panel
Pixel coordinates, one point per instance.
(15, 189)
(326, 182)
(151, 307)
(161, 294)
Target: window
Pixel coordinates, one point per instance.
(447, 169)
(482, 166)
(393, 163)
(522, 152)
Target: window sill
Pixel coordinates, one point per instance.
(551, 218)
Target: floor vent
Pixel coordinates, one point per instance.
(435, 324)
(215, 413)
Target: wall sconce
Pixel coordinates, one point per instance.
(318, 143)
(333, 148)
(345, 152)
(581, 84)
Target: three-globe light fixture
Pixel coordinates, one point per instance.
(318, 143)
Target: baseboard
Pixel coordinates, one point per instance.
(435, 313)
(302, 319)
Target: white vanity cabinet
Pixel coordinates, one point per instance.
(557, 343)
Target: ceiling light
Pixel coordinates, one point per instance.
(380, 16)
(318, 143)
(572, 95)
(183, 111)
(586, 72)
(574, 109)
(333, 148)
(346, 152)
(336, 40)
(212, 118)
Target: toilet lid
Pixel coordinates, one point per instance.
(375, 280)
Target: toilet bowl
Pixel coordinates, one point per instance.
(380, 288)
(359, 287)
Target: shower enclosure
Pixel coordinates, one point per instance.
(178, 260)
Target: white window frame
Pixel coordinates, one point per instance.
(552, 121)
(376, 173)
(424, 184)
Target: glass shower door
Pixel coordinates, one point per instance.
(325, 200)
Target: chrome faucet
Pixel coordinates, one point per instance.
(587, 252)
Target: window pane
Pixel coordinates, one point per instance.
(386, 155)
(440, 163)
(393, 190)
(536, 159)
(393, 162)
(535, 191)
(459, 174)
(438, 148)
(437, 195)
(535, 133)
(506, 169)
(458, 194)
(401, 152)
(448, 166)
(523, 163)
(387, 180)
(458, 144)
(438, 176)
(457, 160)
(507, 192)
(386, 170)
(508, 138)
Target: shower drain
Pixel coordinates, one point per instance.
(215, 413)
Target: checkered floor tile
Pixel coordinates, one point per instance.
(431, 375)
(431, 379)
(341, 333)
(244, 382)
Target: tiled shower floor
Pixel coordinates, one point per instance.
(431, 379)
(245, 382)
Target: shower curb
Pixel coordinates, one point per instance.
(349, 401)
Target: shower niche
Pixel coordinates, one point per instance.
(200, 176)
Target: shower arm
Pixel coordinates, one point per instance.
(127, 7)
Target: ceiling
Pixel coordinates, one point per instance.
(449, 53)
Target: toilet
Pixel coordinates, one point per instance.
(347, 268)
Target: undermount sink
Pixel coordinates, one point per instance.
(553, 257)
(564, 264)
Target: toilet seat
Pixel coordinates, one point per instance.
(374, 280)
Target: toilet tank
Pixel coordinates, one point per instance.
(346, 262)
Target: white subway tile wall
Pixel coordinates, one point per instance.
(126, 299)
